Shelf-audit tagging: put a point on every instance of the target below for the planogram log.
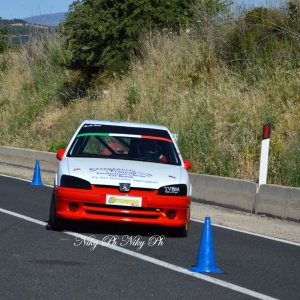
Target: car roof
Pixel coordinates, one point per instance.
(124, 123)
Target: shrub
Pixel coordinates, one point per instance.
(55, 146)
(264, 37)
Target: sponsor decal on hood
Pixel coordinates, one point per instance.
(112, 172)
(120, 173)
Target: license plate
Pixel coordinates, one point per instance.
(124, 200)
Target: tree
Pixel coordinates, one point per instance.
(3, 39)
(102, 33)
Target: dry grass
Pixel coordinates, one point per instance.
(179, 83)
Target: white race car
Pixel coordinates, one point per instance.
(122, 172)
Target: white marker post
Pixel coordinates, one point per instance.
(264, 155)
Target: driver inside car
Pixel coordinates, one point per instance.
(148, 148)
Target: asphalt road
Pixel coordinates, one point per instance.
(38, 263)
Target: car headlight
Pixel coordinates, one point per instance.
(74, 182)
(173, 190)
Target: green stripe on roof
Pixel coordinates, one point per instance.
(93, 134)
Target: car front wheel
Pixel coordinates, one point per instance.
(55, 222)
(180, 231)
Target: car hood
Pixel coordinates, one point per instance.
(112, 172)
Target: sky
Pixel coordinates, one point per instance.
(19, 9)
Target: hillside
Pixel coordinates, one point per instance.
(197, 83)
(47, 19)
(20, 31)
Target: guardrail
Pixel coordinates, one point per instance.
(268, 199)
(271, 200)
(26, 158)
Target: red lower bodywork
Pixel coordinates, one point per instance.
(155, 210)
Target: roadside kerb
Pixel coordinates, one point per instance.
(26, 158)
(226, 192)
(278, 201)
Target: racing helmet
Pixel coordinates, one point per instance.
(147, 146)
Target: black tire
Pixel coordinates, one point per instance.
(180, 231)
(55, 222)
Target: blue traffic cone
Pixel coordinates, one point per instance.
(206, 262)
(36, 180)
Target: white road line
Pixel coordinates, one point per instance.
(251, 233)
(177, 269)
(23, 179)
(153, 260)
(23, 217)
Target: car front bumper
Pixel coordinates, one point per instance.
(91, 205)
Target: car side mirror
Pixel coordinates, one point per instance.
(60, 153)
(187, 164)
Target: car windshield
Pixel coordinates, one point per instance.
(121, 142)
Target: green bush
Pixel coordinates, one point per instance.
(3, 39)
(132, 97)
(55, 146)
(263, 37)
(103, 35)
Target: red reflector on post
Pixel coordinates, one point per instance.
(266, 131)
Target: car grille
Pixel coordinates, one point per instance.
(117, 188)
(121, 215)
(122, 211)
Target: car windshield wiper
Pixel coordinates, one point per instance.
(146, 160)
(104, 156)
(120, 157)
(90, 155)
